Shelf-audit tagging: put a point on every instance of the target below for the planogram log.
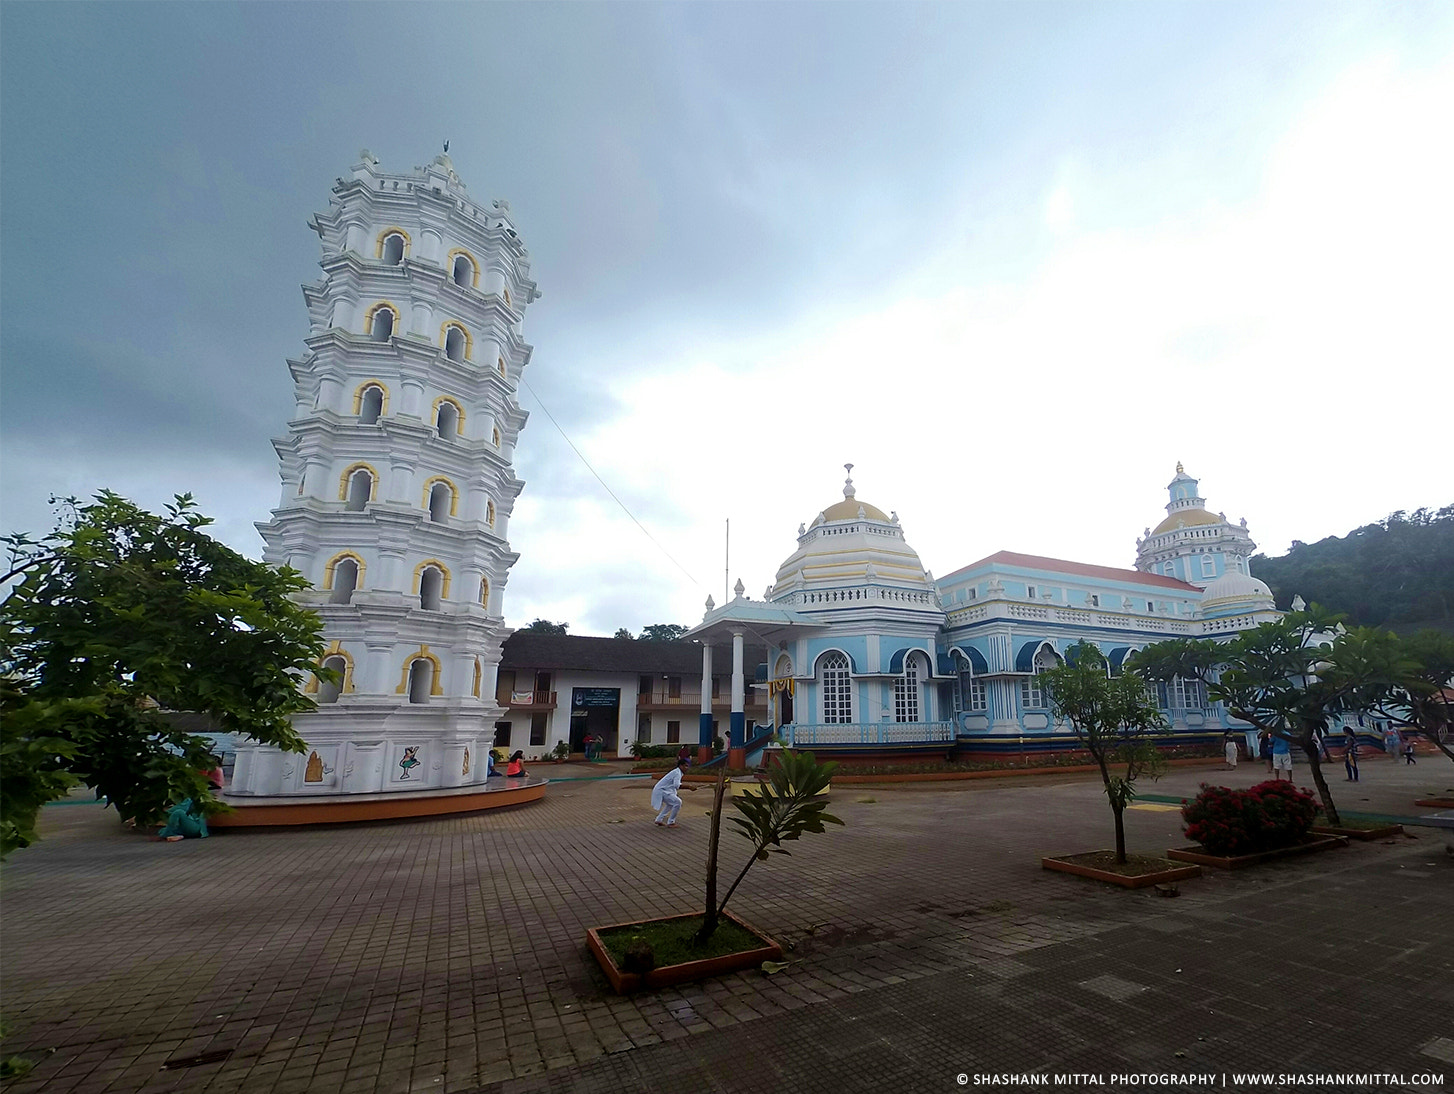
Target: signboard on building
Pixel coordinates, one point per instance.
(595, 697)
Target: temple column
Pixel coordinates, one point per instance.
(704, 724)
(737, 742)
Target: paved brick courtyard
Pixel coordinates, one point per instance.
(926, 941)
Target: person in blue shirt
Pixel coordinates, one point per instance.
(1350, 756)
(1281, 758)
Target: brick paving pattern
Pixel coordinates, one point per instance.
(925, 941)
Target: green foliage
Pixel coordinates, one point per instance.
(784, 809)
(663, 632)
(561, 750)
(656, 752)
(1397, 571)
(624, 633)
(545, 626)
(1112, 716)
(1280, 677)
(121, 614)
(1402, 679)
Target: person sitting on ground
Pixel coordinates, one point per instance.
(516, 765)
(664, 797)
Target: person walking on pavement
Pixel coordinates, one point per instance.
(665, 798)
(1229, 749)
(1409, 751)
(1350, 756)
(1281, 758)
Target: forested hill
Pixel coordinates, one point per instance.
(1397, 573)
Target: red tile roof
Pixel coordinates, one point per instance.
(1080, 569)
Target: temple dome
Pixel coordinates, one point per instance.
(1187, 517)
(1235, 591)
(851, 544)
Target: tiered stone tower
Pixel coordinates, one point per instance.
(398, 484)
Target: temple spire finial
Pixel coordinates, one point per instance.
(848, 482)
(1179, 469)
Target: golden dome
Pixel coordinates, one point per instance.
(848, 508)
(1188, 517)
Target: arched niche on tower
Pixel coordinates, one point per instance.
(392, 246)
(357, 486)
(343, 576)
(464, 269)
(448, 417)
(456, 340)
(431, 584)
(381, 321)
(440, 498)
(371, 401)
(422, 676)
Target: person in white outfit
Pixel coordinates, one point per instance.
(665, 798)
(1229, 750)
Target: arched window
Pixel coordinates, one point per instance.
(328, 691)
(906, 691)
(392, 246)
(369, 403)
(431, 588)
(485, 592)
(357, 489)
(456, 340)
(490, 513)
(971, 688)
(421, 680)
(1032, 695)
(345, 580)
(462, 270)
(380, 322)
(448, 417)
(835, 688)
(441, 499)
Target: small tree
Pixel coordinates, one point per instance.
(1278, 678)
(119, 615)
(1111, 716)
(782, 809)
(623, 633)
(545, 626)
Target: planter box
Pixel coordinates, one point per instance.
(667, 975)
(1436, 803)
(1236, 862)
(1068, 865)
(1383, 831)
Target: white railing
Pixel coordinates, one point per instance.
(867, 733)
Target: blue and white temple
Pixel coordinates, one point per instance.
(869, 651)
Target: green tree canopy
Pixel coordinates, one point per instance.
(545, 626)
(120, 615)
(623, 633)
(1277, 677)
(1113, 717)
(1397, 572)
(663, 632)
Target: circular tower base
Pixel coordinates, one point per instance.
(253, 811)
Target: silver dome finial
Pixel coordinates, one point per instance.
(848, 482)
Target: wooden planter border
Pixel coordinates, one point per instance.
(1236, 862)
(1139, 881)
(667, 975)
(1382, 832)
(1436, 803)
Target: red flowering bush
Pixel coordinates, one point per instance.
(1240, 822)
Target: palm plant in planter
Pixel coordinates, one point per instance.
(786, 806)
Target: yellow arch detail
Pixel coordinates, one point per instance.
(385, 234)
(474, 265)
(501, 366)
(369, 315)
(421, 654)
(479, 676)
(345, 686)
(490, 513)
(333, 563)
(443, 570)
(453, 493)
(469, 339)
(485, 592)
(495, 436)
(358, 395)
(348, 474)
(458, 406)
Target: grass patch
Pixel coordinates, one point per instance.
(671, 940)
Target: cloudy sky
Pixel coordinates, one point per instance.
(1012, 260)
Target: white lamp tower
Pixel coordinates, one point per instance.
(398, 483)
